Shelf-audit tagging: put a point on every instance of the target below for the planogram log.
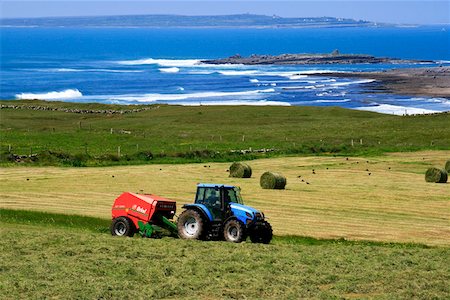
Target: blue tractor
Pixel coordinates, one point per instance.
(219, 213)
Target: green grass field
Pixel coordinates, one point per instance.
(44, 256)
(363, 225)
(206, 133)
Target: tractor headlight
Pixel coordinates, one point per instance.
(248, 215)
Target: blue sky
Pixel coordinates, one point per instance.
(400, 11)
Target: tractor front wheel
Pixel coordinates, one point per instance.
(122, 226)
(190, 225)
(262, 233)
(234, 231)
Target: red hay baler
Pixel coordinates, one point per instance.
(142, 212)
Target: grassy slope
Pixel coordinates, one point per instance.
(175, 129)
(394, 203)
(66, 260)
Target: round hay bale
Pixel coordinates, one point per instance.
(447, 166)
(240, 170)
(436, 175)
(271, 180)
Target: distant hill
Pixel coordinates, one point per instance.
(242, 20)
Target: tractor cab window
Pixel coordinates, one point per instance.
(209, 197)
(233, 195)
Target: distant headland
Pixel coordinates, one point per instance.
(179, 21)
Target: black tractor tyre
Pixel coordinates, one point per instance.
(122, 226)
(262, 233)
(190, 225)
(234, 231)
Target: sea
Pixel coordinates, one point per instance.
(161, 65)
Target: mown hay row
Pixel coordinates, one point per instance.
(271, 180)
(240, 170)
(436, 175)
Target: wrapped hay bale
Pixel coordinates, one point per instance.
(240, 170)
(271, 180)
(436, 175)
(447, 166)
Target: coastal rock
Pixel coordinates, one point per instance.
(306, 59)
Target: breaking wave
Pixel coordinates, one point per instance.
(176, 97)
(397, 110)
(169, 70)
(66, 94)
(161, 62)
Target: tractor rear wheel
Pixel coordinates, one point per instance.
(262, 234)
(234, 231)
(190, 225)
(122, 226)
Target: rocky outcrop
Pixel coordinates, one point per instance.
(306, 59)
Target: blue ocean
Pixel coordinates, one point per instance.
(148, 65)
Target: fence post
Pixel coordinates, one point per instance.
(137, 147)
(118, 151)
(352, 142)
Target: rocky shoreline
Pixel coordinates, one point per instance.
(309, 59)
(429, 82)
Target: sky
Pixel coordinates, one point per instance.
(399, 11)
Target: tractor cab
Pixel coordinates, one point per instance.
(219, 212)
(217, 199)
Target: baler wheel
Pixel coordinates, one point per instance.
(190, 225)
(263, 234)
(234, 231)
(122, 226)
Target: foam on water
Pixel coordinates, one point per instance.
(161, 62)
(333, 101)
(287, 74)
(169, 70)
(352, 82)
(66, 94)
(397, 110)
(238, 73)
(432, 100)
(144, 98)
